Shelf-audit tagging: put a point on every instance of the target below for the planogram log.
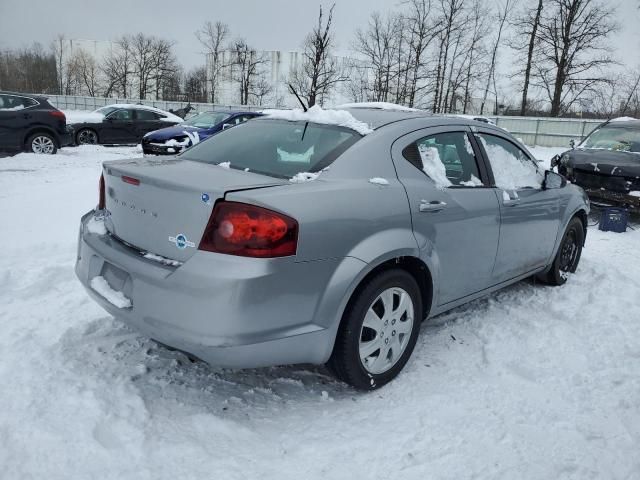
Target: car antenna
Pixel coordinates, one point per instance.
(293, 90)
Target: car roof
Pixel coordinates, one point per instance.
(635, 123)
(377, 118)
(234, 112)
(27, 95)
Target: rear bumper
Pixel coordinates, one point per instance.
(66, 138)
(228, 311)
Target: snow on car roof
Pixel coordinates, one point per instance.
(168, 115)
(378, 105)
(623, 119)
(317, 114)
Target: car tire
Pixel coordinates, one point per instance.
(86, 136)
(568, 256)
(43, 143)
(369, 324)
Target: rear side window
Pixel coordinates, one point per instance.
(447, 158)
(13, 102)
(274, 147)
(146, 115)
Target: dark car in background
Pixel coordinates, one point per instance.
(31, 123)
(172, 140)
(606, 164)
(118, 124)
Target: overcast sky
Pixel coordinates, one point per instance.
(266, 24)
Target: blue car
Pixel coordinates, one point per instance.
(173, 140)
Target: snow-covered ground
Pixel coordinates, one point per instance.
(533, 382)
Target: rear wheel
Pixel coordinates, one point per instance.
(42, 143)
(378, 331)
(87, 136)
(568, 255)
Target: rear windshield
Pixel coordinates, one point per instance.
(275, 147)
(614, 138)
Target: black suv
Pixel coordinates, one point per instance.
(31, 123)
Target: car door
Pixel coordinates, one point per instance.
(119, 127)
(455, 212)
(530, 215)
(14, 119)
(146, 121)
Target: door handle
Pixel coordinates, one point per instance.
(433, 206)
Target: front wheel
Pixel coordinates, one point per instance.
(568, 255)
(378, 331)
(42, 143)
(86, 136)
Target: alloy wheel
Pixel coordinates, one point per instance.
(42, 144)
(386, 330)
(87, 137)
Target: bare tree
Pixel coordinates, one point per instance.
(58, 46)
(85, 72)
(195, 85)
(503, 13)
(117, 69)
(526, 39)
(213, 36)
(320, 71)
(30, 69)
(573, 50)
(246, 68)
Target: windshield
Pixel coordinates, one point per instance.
(623, 139)
(206, 120)
(106, 110)
(275, 148)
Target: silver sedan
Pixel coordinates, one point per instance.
(324, 237)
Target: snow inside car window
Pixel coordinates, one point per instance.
(512, 168)
(447, 158)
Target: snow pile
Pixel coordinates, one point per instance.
(510, 172)
(80, 116)
(303, 177)
(532, 382)
(114, 297)
(635, 193)
(378, 106)
(225, 164)
(473, 182)
(96, 225)
(379, 181)
(433, 166)
(316, 114)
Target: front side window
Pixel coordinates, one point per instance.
(625, 139)
(276, 148)
(447, 158)
(123, 114)
(512, 168)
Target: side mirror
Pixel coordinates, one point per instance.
(227, 125)
(572, 143)
(553, 180)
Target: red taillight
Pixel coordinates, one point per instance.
(249, 231)
(130, 180)
(58, 114)
(101, 194)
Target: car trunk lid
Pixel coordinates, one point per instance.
(163, 206)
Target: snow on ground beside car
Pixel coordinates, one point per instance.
(532, 382)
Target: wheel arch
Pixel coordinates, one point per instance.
(41, 129)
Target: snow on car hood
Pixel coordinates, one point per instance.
(171, 132)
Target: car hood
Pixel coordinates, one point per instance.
(172, 132)
(605, 162)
